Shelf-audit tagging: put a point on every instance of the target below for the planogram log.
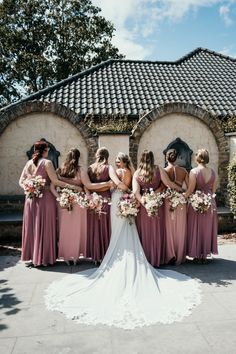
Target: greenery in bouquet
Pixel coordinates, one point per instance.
(33, 187)
(200, 201)
(175, 198)
(152, 202)
(127, 207)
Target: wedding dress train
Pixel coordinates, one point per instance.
(125, 291)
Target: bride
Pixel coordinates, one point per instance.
(125, 291)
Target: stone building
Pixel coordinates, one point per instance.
(127, 105)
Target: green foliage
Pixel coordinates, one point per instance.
(232, 185)
(110, 124)
(229, 125)
(43, 42)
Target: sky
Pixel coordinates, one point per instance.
(169, 29)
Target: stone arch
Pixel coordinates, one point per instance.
(16, 111)
(204, 116)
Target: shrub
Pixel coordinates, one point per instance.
(232, 185)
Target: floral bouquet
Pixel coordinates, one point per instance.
(152, 201)
(33, 187)
(201, 201)
(67, 198)
(127, 207)
(96, 202)
(175, 198)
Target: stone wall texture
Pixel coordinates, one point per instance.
(23, 124)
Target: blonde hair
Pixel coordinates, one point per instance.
(101, 156)
(146, 166)
(71, 165)
(126, 160)
(202, 156)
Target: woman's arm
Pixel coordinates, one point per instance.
(186, 180)
(100, 187)
(115, 179)
(215, 185)
(53, 176)
(136, 187)
(160, 188)
(125, 176)
(24, 175)
(191, 185)
(53, 190)
(167, 182)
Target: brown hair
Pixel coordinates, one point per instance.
(39, 148)
(202, 156)
(71, 165)
(101, 156)
(146, 166)
(126, 160)
(171, 155)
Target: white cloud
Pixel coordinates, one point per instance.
(225, 14)
(137, 20)
(229, 51)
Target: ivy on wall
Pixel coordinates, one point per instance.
(232, 185)
(229, 125)
(110, 124)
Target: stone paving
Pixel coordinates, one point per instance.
(27, 327)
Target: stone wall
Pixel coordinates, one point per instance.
(19, 136)
(232, 144)
(188, 128)
(203, 122)
(114, 143)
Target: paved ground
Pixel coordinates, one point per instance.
(27, 327)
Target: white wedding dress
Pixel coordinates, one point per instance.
(125, 291)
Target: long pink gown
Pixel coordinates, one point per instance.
(72, 228)
(151, 229)
(202, 228)
(99, 226)
(39, 225)
(176, 231)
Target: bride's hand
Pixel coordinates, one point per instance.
(121, 186)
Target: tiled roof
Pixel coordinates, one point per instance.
(129, 87)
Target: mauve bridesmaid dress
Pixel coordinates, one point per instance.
(202, 228)
(72, 228)
(39, 225)
(99, 226)
(151, 229)
(176, 230)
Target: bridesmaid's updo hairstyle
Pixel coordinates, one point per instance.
(39, 148)
(146, 166)
(70, 167)
(202, 156)
(126, 160)
(171, 155)
(101, 156)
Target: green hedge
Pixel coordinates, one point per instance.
(232, 185)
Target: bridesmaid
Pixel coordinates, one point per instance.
(99, 230)
(73, 225)
(202, 228)
(39, 219)
(176, 220)
(151, 229)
